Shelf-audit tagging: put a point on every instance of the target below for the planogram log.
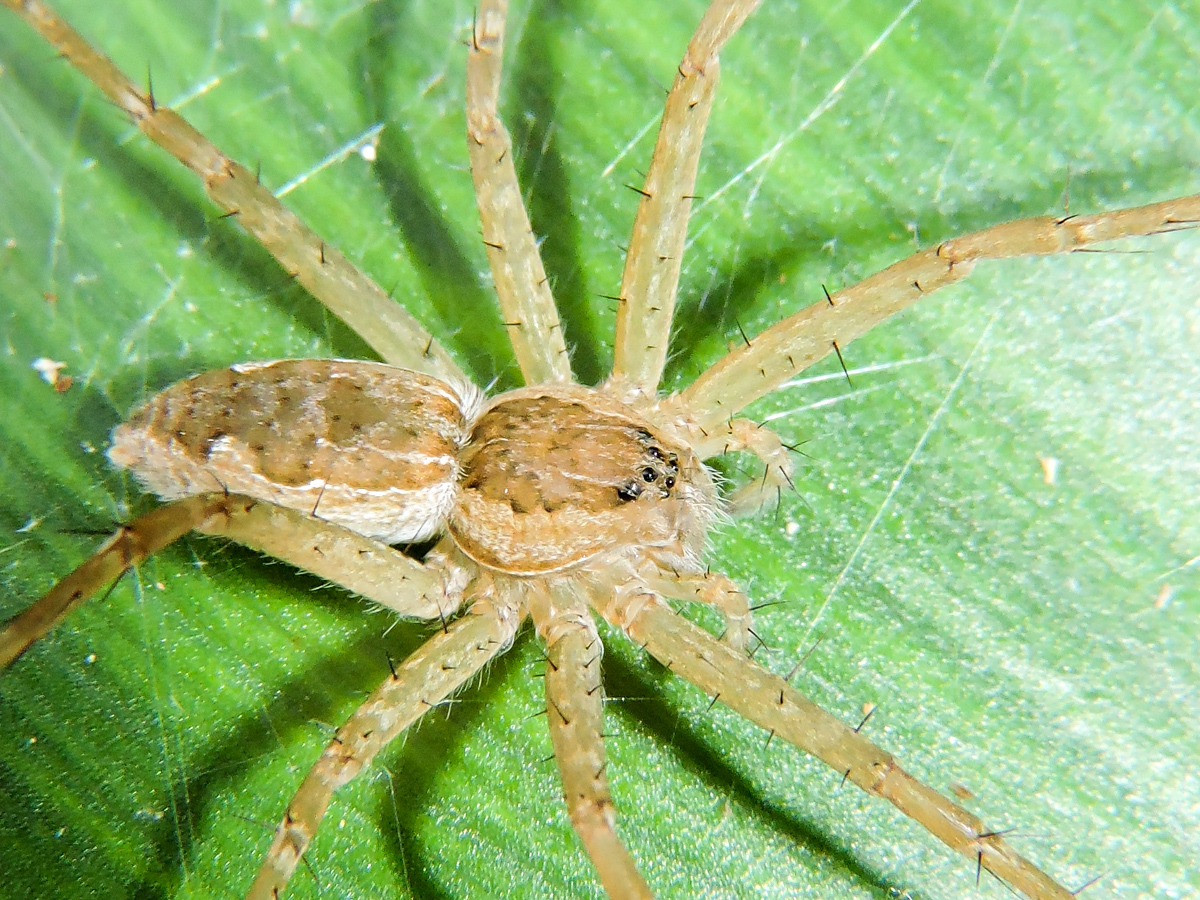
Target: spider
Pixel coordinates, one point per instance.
(628, 821)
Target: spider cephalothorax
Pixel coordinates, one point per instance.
(562, 477)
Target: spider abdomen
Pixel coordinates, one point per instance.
(555, 476)
(371, 447)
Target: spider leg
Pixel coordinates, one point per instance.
(436, 670)
(575, 709)
(364, 566)
(432, 589)
(735, 435)
(655, 254)
(711, 589)
(773, 704)
(831, 323)
(325, 273)
(521, 284)
(129, 546)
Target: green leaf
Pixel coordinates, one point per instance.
(1031, 642)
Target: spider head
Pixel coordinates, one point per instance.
(557, 477)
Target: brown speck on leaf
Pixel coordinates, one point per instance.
(962, 792)
(50, 370)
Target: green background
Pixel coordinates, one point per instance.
(1007, 628)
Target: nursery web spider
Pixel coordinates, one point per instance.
(180, 816)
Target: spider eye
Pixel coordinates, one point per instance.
(629, 492)
(649, 474)
(669, 482)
